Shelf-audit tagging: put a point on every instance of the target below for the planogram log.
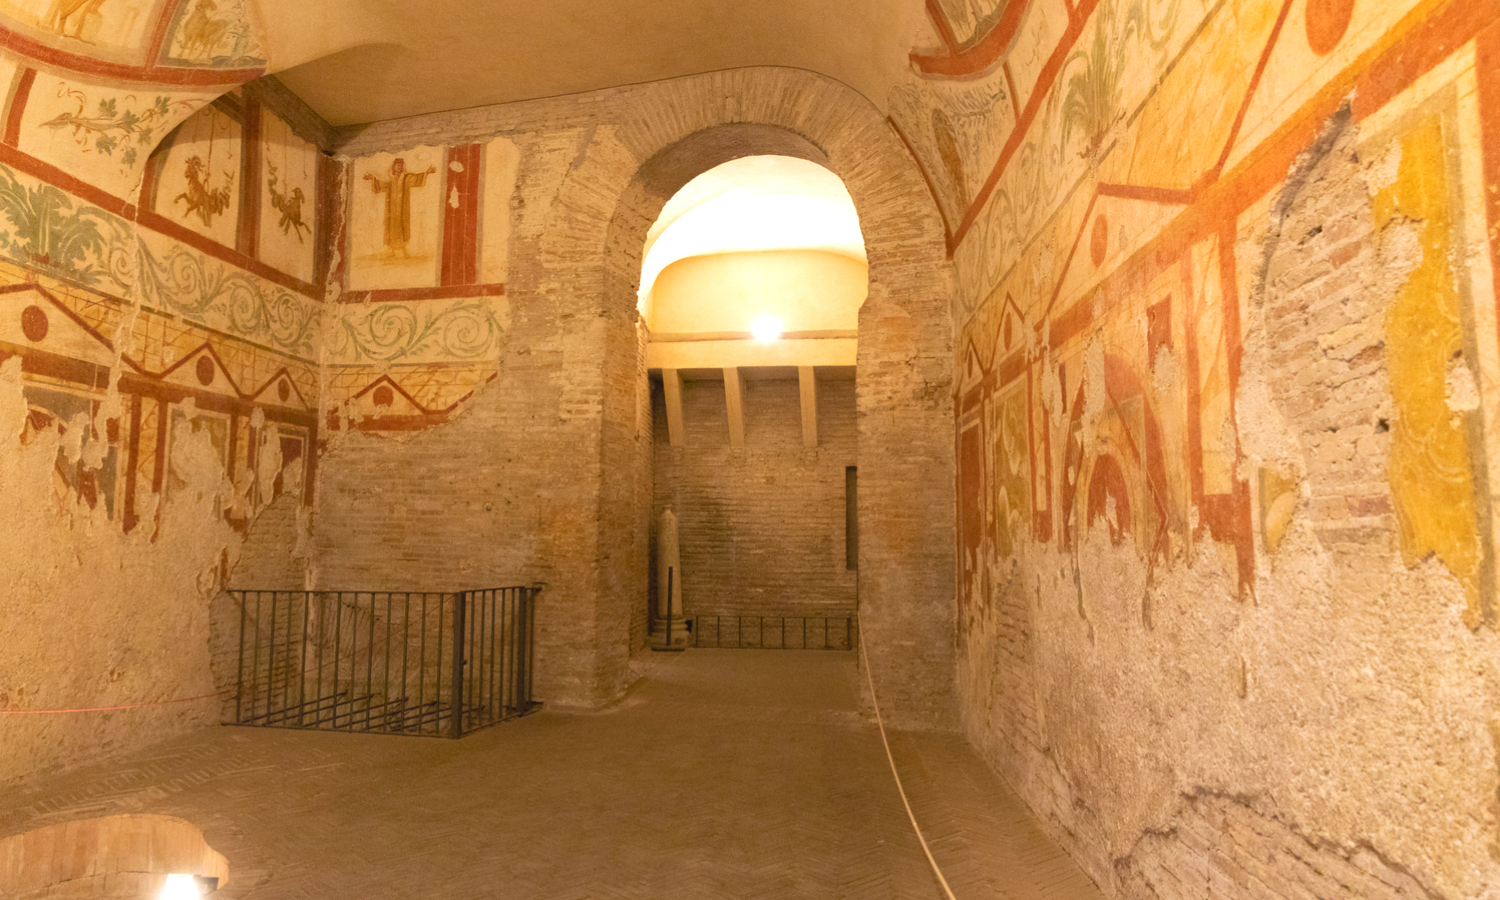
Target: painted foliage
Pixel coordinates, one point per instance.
(100, 132)
(52, 232)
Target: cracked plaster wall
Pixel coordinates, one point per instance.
(1227, 557)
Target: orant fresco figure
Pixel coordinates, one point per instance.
(397, 190)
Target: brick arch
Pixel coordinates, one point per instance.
(677, 129)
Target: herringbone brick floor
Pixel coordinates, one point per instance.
(724, 774)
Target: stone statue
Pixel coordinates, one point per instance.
(670, 631)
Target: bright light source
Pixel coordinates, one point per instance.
(181, 887)
(766, 329)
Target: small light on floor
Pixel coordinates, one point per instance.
(766, 329)
(181, 887)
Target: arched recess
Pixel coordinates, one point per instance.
(680, 128)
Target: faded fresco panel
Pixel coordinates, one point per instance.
(177, 279)
(114, 30)
(215, 33)
(502, 162)
(396, 218)
(1306, 55)
(1431, 473)
(444, 330)
(1009, 475)
(53, 233)
(101, 132)
(289, 179)
(1190, 116)
(198, 183)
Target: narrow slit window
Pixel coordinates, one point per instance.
(851, 518)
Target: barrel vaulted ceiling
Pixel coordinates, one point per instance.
(358, 61)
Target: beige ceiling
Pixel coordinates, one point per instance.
(358, 61)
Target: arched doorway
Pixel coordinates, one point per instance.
(903, 386)
(753, 277)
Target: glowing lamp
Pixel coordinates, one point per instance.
(187, 887)
(766, 329)
(180, 887)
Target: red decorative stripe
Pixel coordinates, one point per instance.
(162, 225)
(1048, 74)
(1088, 214)
(248, 233)
(1176, 196)
(1260, 69)
(1487, 62)
(18, 106)
(1015, 99)
(159, 467)
(153, 74)
(940, 22)
(169, 11)
(461, 216)
(442, 292)
(981, 54)
(57, 177)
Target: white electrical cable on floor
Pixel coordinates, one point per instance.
(947, 891)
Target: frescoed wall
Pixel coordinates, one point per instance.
(1228, 386)
(158, 379)
(169, 230)
(420, 324)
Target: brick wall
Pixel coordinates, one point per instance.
(761, 527)
(546, 473)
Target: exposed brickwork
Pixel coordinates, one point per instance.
(555, 444)
(1186, 737)
(761, 527)
(272, 557)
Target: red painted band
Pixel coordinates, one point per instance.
(151, 74)
(1050, 70)
(162, 225)
(18, 106)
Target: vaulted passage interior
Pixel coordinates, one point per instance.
(1129, 418)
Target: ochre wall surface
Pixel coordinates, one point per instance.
(158, 370)
(761, 527)
(1227, 396)
(1212, 374)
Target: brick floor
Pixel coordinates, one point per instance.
(723, 774)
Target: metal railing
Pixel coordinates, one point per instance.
(777, 632)
(393, 662)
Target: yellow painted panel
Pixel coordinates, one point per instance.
(1430, 472)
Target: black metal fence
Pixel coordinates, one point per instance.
(777, 632)
(395, 662)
